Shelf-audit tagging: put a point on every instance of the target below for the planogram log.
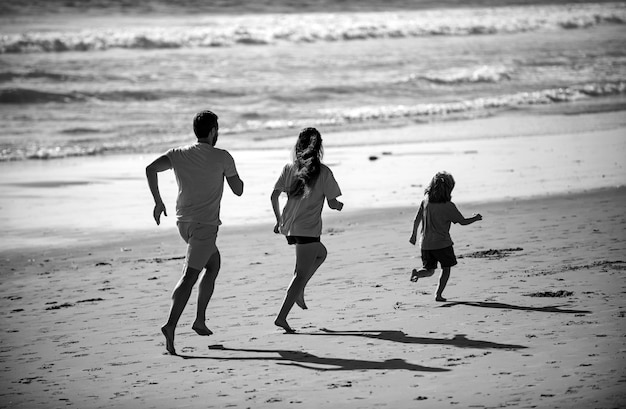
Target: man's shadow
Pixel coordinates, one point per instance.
(459, 340)
(503, 306)
(309, 361)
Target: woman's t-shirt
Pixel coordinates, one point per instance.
(436, 220)
(302, 216)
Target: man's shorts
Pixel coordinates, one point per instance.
(200, 239)
(444, 256)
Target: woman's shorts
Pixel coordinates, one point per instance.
(444, 256)
(302, 240)
(200, 239)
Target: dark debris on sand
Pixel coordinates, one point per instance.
(492, 254)
(557, 294)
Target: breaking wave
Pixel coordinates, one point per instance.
(220, 31)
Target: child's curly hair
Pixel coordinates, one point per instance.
(440, 188)
(307, 156)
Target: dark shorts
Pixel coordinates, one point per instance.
(302, 240)
(444, 256)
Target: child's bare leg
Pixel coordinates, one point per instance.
(319, 260)
(306, 255)
(443, 280)
(205, 292)
(180, 296)
(422, 273)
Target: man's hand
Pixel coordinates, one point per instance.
(276, 228)
(335, 204)
(156, 213)
(413, 240)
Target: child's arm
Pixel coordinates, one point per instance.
(161, 164)
(471, 220)
(335, 204)
(416, 223)
(275, 206)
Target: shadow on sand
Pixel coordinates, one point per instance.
(459, 340)
(309, 361)
(503, 306)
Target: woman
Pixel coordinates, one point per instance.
(307, 182)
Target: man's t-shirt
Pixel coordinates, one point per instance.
(302, 216)
(436, 219)
(200, 170)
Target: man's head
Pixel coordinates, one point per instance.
(203, 125)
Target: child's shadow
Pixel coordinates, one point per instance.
(503, 306)
(305, 360)
(459, 340)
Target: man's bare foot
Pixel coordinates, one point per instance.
(169, 339)
(300, 302)
(283, 324)
(440, 299)
(201, 329)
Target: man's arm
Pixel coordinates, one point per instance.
(161, 164)
(236, 184)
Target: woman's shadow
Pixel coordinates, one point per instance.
(309, 361)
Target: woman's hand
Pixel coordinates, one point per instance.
(277, 228)
(413, 240)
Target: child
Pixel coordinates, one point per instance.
(436, 212)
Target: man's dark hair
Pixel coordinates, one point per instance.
(203, 123)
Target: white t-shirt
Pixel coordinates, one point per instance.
(200, 170)
(302, 216)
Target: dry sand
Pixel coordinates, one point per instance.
(534, 318)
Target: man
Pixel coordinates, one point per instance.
(200, 170)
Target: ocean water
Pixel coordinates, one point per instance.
(95, 77)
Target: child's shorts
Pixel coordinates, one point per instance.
(444, 256)
(200, 239)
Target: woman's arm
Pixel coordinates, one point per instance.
(276, 207)
(335, 204)
(471, 220)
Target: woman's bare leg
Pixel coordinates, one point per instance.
(319, 260)
(306, 264)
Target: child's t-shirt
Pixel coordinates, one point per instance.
(436, 220)
(302, 216)
(200, 170)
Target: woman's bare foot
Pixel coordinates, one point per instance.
(440, 299)
(283, 324)
(201, 329)
(169, 339)
(300, 302)
(414, 276)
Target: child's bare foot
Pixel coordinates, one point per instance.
(440, 299)
(414, 276)
(300, 302)
(169, 339)
(283, 324)
(201, 329)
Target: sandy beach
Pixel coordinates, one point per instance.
(535, 308)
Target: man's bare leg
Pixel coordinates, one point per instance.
(205, 292)
(443, 280)
(180, 296)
